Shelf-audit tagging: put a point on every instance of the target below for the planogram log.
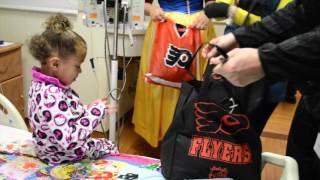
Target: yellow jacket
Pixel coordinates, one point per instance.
(241, 14)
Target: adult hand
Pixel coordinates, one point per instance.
(155, 12)
(201, 22)
(242, 68)
(226, 42)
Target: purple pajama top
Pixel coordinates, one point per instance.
(61, 124)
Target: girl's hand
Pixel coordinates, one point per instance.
(112, 108)
(109, 108)
(95, 102)
(104, 101)
(201, 22)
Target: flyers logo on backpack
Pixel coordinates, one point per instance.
(211, 118)
(178, 57)
(220, 150)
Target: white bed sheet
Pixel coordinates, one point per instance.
(9, 134)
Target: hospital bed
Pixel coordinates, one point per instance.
(19, 163)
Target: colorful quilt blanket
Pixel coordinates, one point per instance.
(18, 165)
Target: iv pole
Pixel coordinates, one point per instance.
(114, 75)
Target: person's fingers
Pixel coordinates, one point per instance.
(194, 23)
(216, 60)
(200, 23)
(204, 51)
(158, 14)
(203, 25)
(115, 106)
(222, 70)
(161, 16)
(233, 52)
(112, 108)
(211, 52)
(104, 99)
(218, 69)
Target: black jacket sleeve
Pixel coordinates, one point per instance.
(288, 44)
(274, 28)
(296, 59)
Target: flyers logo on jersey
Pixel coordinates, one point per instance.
(177, 57)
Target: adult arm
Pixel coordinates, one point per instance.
(275, 28)
(297, 58)
(239, 14)
(291, 51)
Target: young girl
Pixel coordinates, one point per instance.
(61, 124)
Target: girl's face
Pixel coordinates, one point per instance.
(69, 69)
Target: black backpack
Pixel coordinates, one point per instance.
(211, 135)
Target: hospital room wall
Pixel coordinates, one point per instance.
(19, 26)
